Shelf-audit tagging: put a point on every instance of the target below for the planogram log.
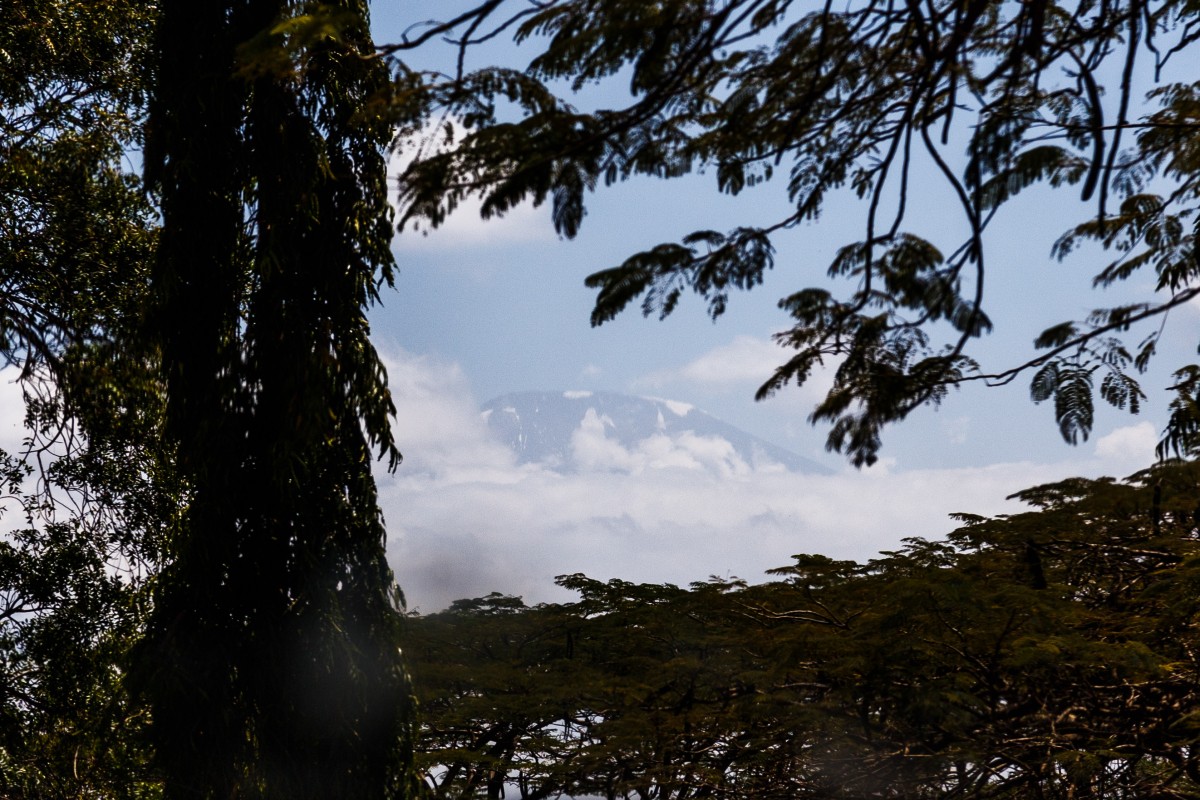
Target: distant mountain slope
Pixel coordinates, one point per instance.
(554, 427)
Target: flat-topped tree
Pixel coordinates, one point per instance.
(1043, 654)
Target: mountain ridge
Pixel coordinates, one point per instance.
(558, 428)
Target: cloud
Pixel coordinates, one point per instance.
(743, 364)
(747, 359)
(465, 519)
(1129, 448)
(465, 229)
(438, 425)
(593, 450)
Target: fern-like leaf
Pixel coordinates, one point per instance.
(1073, 403)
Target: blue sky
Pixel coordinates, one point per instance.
(486, 308)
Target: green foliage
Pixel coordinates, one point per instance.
(73, 600)
(852, 98)
(202, 527)
(86, 499)
(1044, 654)
(75, 232)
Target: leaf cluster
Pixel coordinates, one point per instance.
(88, 495)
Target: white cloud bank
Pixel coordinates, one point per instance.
(464, 519)
(747, 361)
(466, 230)
(1132, 443)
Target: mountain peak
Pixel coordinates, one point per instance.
(567, 430)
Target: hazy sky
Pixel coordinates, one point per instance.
(489, 308)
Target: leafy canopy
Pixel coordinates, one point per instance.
(194, 598)
(1047, 654)
(853, 97)
(86, 497)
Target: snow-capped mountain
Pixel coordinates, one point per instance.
(568, 430)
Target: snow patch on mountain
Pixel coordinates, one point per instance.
(611, 432)
(674, 406)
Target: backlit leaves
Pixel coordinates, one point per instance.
(737, 260)
(1070, 385)
(855, 97)
(1053, 165)
(1183, 426)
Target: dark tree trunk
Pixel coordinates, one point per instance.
(272, 664)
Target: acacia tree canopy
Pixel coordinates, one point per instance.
(854, 97)
(1045, 654)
